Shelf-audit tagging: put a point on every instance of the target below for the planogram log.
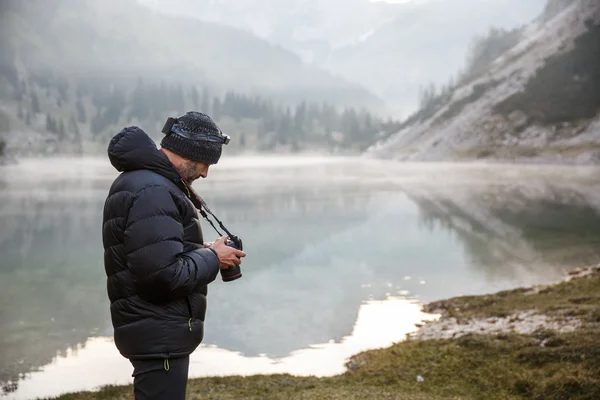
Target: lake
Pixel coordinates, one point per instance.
(341, 254)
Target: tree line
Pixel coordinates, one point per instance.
(95, 110)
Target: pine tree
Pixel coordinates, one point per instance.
(63, 89)
(216, 109)
(227, 108)
(286, 126)
(176, 99)
(205, 107)
(195, 96)
(19, 92)
(50, 124)
(4, 122)
(368, 122)
(300, 119)
(115, 108)
(80, 111)
(35, 104)
(72, 126)
(139, 101)
(98, 123)
(61, 129)
(161, 99)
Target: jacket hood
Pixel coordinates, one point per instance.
(132, 149)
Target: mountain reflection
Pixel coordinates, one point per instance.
(321, 241)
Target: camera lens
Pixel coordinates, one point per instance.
(231, 274)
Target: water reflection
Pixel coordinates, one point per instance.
(534, 225)
(324, 236)
(98, 363)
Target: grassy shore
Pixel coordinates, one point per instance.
(561, 363)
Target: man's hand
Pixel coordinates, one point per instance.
(228, 256)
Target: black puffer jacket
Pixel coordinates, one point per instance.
(157, 268)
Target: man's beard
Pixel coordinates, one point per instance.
(188, 171)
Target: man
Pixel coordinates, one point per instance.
(157, 264)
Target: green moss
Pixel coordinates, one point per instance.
(544, 365)
(579, 297)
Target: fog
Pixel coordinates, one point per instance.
(390, 48)
(362, 172)
(377, 53)
(293, 76)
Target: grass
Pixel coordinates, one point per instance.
(580, 297)
(544, 365)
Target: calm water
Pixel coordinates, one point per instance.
(341, 253)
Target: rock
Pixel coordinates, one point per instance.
(420, 378)
(518, 119)
(511, 115)
(576, 271)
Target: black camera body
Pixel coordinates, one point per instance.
(233, 273)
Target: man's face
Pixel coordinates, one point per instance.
(192, 170)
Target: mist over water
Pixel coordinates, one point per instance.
(341, 253)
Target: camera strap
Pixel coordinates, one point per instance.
(200, 204)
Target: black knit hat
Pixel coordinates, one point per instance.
(194, 136)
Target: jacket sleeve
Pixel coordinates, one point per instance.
(153, 243)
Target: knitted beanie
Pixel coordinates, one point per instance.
(201, 150)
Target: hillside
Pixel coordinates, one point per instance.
(123, 39)
(425, 42)
(46, 114)
(391, 48)
(304, 26)
(537, 102)
(72, 73)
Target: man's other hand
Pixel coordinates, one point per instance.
(228, 256)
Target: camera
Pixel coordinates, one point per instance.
(229, 274)
(233, 273)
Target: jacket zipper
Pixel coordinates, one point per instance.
(189, 306)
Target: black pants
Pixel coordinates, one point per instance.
(160, 379)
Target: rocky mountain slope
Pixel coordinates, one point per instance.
(426, 41)
(538, 102)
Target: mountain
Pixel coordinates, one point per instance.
(123, 39)
(305, 26)
(393, 49)
(426, 42)
(74, 72)
(537, 102)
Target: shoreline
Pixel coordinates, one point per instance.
(534, 342)
(524, 162)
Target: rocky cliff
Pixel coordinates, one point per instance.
(537, 102)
